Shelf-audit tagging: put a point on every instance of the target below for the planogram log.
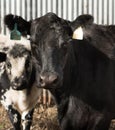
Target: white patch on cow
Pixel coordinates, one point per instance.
(15, 118)
(21, 100)
(24, 115)
(5, 101)
(3, 39)
(24, 121)
(28, 102)
(6, 42)
(24, 124)
(2, 91)
(23, 41)
(17, 67)
(78, 33)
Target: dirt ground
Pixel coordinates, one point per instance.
(43, 119)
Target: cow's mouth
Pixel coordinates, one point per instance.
(19, 86)
(49, 81)
(50, 86)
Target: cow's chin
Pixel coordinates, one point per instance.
(20, 87)
(50, 87)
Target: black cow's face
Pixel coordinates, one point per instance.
(50, 37)
(18, 64)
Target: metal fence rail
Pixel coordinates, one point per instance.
(102, 10)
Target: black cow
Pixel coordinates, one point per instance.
(80, 74)
(18, 91)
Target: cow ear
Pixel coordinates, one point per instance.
(22, 25)
(82, 20)
(78, 33)
(79, 25)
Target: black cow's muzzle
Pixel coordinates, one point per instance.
(49, 81)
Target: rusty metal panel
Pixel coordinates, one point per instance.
(102, 10)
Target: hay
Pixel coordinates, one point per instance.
(43, 119)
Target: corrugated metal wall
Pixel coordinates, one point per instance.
(102, 10)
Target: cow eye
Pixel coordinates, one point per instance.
(2, 57)
(64, 46)
(70, 40)
(8, 64)
(27, 63)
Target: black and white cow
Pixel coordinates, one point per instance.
(79, 73)
(18, 91)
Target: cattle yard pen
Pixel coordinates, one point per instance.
(102, 10)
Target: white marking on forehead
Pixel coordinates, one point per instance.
(17, 66)
(6, 42)
(24, 42)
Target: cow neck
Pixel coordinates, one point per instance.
(70, 69)
(69, 80)
(58, 94)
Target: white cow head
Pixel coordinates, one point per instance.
(18, 61)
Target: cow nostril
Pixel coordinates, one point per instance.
(53, 79)
(48, 80)
(41, 79)
(16, 80)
